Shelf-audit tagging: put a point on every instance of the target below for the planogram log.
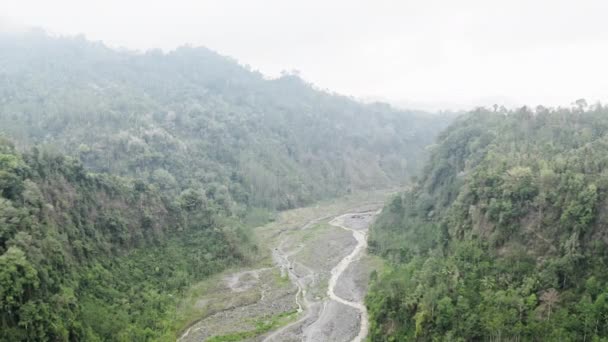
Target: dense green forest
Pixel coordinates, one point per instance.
(106, 153)
(193, 118)
(70, 263)
(503, 237)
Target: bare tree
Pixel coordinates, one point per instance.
(550, 298)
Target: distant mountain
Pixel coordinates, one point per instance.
(447, 108)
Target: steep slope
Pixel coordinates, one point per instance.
(504, 236)
(72, 260)
(192, 118)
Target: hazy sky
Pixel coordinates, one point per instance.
(423, 53)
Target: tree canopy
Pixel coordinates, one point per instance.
(503, 237)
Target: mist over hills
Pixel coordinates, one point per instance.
(120, 112)
(107, 153)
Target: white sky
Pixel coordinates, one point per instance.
(426, 53)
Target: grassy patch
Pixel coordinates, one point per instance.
(282, 280)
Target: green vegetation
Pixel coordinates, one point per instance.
(503, 237)
(139, 174)
(73, 266)
(192, 118)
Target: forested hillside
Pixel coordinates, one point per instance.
(504, 236)
(70, 263)
(192, 118)
(126, 177)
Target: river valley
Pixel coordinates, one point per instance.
(312, 288)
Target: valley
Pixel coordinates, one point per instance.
(131, 181)
(181, 195)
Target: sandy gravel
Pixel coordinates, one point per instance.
(356, 221)
(337, 322)
(353, 283)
